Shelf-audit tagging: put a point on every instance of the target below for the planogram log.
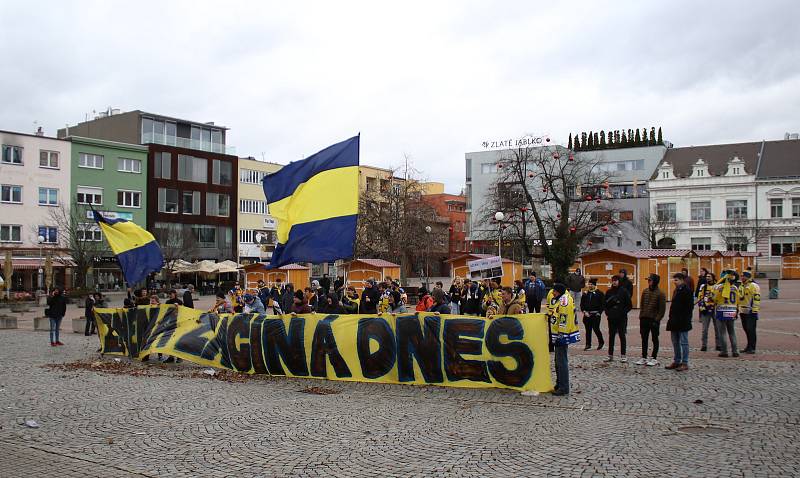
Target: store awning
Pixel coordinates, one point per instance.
(30, 263)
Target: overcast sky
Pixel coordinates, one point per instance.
(430, 80)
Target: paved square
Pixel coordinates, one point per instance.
(621, 420)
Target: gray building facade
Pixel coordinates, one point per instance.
(630, 169)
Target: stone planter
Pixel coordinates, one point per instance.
(79, 325)
(41, 324)
(19, 308)
(8, 322)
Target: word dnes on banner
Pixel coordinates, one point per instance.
(421, 349)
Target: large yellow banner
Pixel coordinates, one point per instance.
(413, 348)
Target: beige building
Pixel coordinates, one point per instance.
(256, 227)
(34, 208)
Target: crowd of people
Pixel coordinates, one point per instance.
(720, 302)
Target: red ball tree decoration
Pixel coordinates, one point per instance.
(605, 228)
(572, 229)
(571, 157)
(589, 243)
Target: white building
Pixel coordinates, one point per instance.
(34, 180)
(743, 196)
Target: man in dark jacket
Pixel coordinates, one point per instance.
(575, 283)
(56, 310)
(535, 292)
(652, 306)
(369, 298)
(680, 323)
(325, 284)
(617, 306)
(188, 300)
(625, 282)
(88, 313)
(592, 302)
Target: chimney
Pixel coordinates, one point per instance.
(39, 131)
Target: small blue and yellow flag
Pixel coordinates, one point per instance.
(315, 202)
(136, 249)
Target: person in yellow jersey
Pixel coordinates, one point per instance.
(749, 305)
(564, 330)
(726, 299)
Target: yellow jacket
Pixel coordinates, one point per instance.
(726, 298)
(749, 298)
(564, 328)
(550, 302)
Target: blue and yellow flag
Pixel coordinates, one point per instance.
(315, 202)
(136, 249)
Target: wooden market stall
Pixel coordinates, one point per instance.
(604, 263)
(790, 265)
(511, 270)
(294, 274)
(357, 271)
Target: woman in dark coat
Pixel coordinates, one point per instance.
(680, 323)
(56, 310)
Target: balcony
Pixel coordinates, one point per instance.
(196, 144)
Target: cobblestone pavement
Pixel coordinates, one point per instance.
(621, 420)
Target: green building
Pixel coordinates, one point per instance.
(112, 177)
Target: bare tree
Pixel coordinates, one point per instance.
(655, 228)
(738, 234)
(555, 200)
(80, 235)
(176, 242)
(393, 222)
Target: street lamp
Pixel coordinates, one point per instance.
(427, 252)
(41, 271)
(499, 216)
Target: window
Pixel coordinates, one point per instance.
(10, 233)
(12, 154)
(87, 195)
(776, 208)
(217, 205)
(88, 232)
(129, 198)
(701, 210)
(190, 202)
(48, 159)
(795, 207)
(163, 166)
(641, 190)
(664, 174)
(736, 243)
(48, 197)
(246, 236)
(49, 233)
(221, 172)
(469, 169)
(10, 193)
(249, 176)
(192, 169)
(620, 191)
(779, 245)
(168, 200)
(158, 131)
(252, 206)
(129, 165)
(463, 227)
(206, 236)
(736, 209)
(86, 160)
(488, 168)
(666, 212)
(628, 165)
(701, 243)
(626, 216)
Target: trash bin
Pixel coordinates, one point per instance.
(773, 288)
